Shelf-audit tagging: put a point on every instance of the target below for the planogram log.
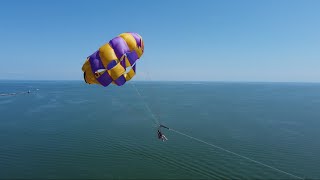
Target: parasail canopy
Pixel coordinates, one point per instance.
(114, 62)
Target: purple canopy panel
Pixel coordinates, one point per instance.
(104, 79)
(120, 81)
(111, 64)
(132, 57)
(119, 46)
(95, 62)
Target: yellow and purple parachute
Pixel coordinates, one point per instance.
(111, 63)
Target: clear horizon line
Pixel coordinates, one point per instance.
(225, 81)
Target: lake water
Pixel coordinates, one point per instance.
(68, 129)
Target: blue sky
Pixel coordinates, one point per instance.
(184, 40)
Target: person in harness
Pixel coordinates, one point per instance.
(160, 134)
